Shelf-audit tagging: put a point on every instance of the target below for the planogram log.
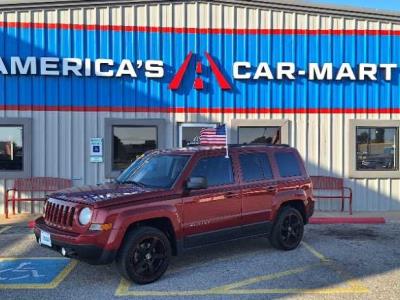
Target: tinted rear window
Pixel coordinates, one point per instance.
(255, 166)
(288, 164)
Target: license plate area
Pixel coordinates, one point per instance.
(45, 238)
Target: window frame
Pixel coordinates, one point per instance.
(26, 171)
(365, 174)
(233, 133)
(110, 123)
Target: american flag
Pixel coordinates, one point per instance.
(213, 136)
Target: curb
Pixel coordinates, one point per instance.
(348, 220)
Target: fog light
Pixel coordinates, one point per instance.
(63, 251)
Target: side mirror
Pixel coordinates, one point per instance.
(196, 183)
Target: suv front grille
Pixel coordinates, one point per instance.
(57, 214)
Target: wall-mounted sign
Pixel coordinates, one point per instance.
(154, 69)
(96, 150)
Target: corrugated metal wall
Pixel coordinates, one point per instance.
(61, 138)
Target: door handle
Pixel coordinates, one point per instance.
(230, 195)
(305, 187)
(271, 189)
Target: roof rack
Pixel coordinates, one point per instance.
(244, 145)
(258, 145)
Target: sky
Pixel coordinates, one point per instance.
(393, 5)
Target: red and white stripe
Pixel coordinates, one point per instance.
(208, 136)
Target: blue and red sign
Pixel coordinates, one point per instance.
(61, 67)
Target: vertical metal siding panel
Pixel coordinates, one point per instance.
(92, 119)
(23, 98)
(166, 53)
(91, 49)
(127, 50)
(395, 183)
(240, 54)
(299, 126)
(39, 129)
(385, 90)
(155, 42)
(52, 96)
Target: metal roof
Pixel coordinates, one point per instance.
(289, 5)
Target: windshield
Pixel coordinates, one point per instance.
(154, 171)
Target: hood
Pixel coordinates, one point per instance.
(91, 194)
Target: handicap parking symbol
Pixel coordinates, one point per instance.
(34, 272)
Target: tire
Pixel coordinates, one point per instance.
(145, 255)
(287, 231)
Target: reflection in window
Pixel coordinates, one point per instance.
(159, 171)
(11, 148)
(255, 166)
(190, 134)
(260, 135)
(217, 170)
(129, 142)
(288, 164)
(376, 148)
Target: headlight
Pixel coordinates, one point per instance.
(85, 215)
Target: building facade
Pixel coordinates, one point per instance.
(86, 86)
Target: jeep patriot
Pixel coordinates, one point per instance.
(168, 201)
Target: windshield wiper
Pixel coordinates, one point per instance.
(139, 184)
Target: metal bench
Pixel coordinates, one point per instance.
(33, 185)
(333, 184)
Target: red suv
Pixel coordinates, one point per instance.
(169, 201)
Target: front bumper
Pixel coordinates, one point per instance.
(90, 253)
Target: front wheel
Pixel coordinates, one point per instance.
(288, 229)
(145, 255)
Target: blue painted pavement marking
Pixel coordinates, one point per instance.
(31, 270)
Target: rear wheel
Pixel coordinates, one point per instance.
(288, 229)
(145, 255)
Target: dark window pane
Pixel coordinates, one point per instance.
(288, 164)
(11, 148)
(376, 148)
(190, 134)
(130, 142)
(217, 170)
(259, 135)
(255, 166)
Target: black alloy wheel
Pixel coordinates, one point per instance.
(144, 257)
(288, 229)
(148, 257)
(291, 230)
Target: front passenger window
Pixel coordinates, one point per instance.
(217, 170)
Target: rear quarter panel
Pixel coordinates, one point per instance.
(290, 188)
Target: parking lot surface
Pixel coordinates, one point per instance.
(333, 262)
